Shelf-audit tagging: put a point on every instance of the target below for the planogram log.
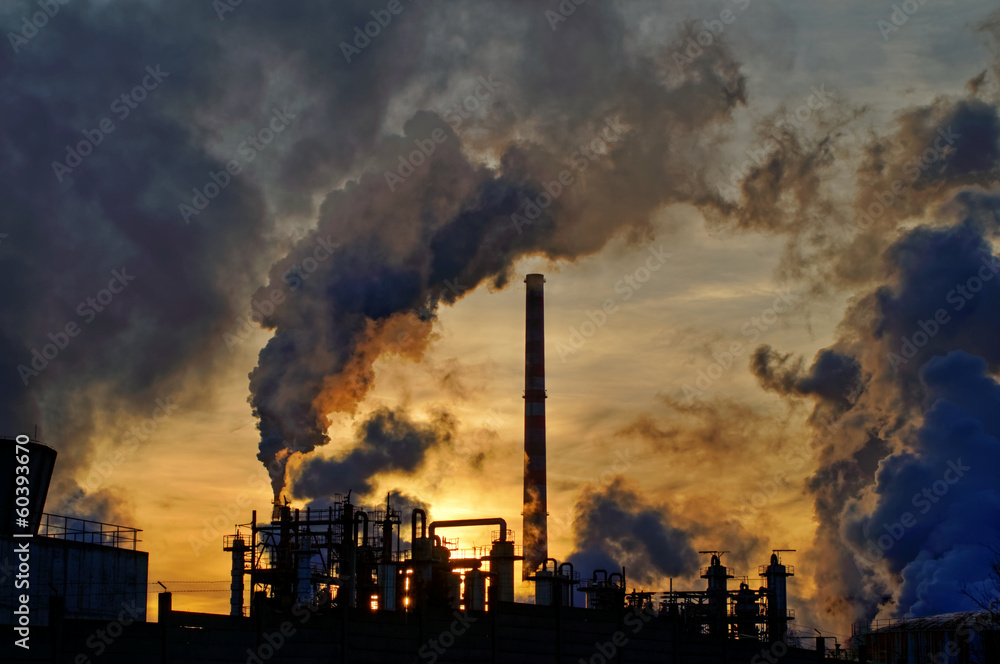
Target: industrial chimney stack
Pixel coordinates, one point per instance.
(535, 531)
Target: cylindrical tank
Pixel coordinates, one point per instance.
(303, 576)
(718, 594)
(347, 595)
(502, 567)
(454, 590)
(746, 612)
(40, 459)
(475, 590)
(543, 587)
(236, 585)
(777, 575)
(387, 586)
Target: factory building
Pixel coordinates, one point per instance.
(74, 567)
(969, 637)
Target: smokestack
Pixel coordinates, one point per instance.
(535, 531)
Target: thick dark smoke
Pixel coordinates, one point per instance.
(614, 526)
(387, 441)
(833, 378)
(936, 501)
(454, 223)
(357, 269)
(68, 233)
(903, 504)
(905, 388)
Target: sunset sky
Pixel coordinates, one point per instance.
(766, 229)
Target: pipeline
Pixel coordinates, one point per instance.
(469, 522)
(363, 517)
(423, 524)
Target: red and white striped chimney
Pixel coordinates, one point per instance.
(535, 531)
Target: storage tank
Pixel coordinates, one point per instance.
(40, 459)
(475, 590)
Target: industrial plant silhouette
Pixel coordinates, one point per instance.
(354, 584)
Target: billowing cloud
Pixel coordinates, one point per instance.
(614, 526)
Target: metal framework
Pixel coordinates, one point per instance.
(73, 529)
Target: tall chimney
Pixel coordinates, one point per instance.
(535, 531)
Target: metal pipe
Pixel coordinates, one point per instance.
(602, 571)
(363, 516)
(469, 522)
(569, 582)
(423, 524)
(555, 564)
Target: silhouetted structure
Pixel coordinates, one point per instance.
(86, 569)
(536, 547)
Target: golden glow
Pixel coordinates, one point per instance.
(199, 467)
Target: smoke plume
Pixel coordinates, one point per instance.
(387, 441)
(414, 236)
(613, 527)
